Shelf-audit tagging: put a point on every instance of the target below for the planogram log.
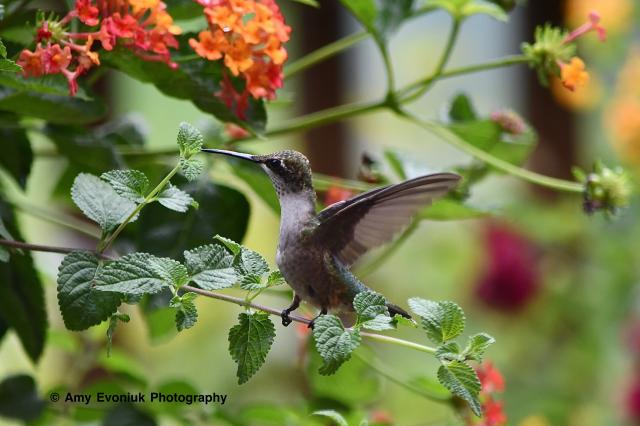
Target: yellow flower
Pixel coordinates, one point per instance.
(578, 100)
(573, 74)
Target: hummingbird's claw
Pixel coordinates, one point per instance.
(286, 319)
(313, 321)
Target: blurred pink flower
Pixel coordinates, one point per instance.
(511, 278)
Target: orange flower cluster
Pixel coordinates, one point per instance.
(144, 26)
(248, 35)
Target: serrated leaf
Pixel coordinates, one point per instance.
(312, 3)
(333, 342)
(449, 351)
(333, 415)
(137, 273)
(170, 270)
(7, 65)
(380, 323)
(231, 245)
(369, 305)
(187, 313)
(275, 278)
(211, 267)
(175, 199)
(189, 140)
(249, 343)
(251, 282)
(81, 304)
(130, 184)
(191, 168)
(463, 382)
(250, 262)
(477, 346)
(442, 320)
(100, 202)
(113, 323)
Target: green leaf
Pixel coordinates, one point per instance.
(449, 351)
(191, 168)
(250, 267)
(17, 156)
(140, 273)
(211, 267)
(461, 109)
(3, 49)
(463, 382)
(100, 202)
(442, 320)
(175, 199)
(7, 65)
(231, 245)
(380, 323)
(189, 140)
(477, 346)
(493, 10)
(19, 398)
(275, 278)
(312, 3)
(381, 17)
(333, 415)
(130, 184)
(369, 304)
(113, 323)
(186, 314)
(249, 343)
(196, 80)
(81, 304)
(333, 342)
(61, 109)
(22, 301)
(127, 414)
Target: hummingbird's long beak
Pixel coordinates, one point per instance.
(242, 155)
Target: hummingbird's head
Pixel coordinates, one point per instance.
(288, 170)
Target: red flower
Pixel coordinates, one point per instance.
(31, 62)
(632, 401)
(336, 194)
(491, 379)
(234, 131)
(511, 278)
(87, 13)
(55, 59)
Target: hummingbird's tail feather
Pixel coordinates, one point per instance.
(396, 310)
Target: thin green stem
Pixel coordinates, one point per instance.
(444, 58)
(398, 342)
(155, 191)
(432, 396)
(406, 96)
(324, 53)
(388, 66)
(389, 251)
(529, 176)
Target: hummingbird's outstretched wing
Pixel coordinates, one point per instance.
(352, 227)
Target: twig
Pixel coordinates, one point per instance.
(48, 249)
(224, 297)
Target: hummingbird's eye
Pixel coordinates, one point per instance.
(275, 165)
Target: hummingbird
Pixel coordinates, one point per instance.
(316, 250)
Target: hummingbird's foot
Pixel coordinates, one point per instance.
(313, 321)
(286, 319)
